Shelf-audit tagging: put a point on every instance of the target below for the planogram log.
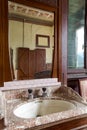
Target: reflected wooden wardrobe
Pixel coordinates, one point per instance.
(30, 62)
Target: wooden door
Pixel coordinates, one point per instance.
(11, 64)
(32, 64)
(40, 56)
(23, 63)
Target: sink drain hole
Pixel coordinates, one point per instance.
(38, 115)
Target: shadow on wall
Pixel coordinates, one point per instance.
(43, 74)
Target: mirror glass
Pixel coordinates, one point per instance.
(31, 41)
(76, 38)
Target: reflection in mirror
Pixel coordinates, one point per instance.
(25, 23)
(76, 25)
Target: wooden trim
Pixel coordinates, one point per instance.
(64, 40)
(73, 71)
(30, 20)
(63, 12)
(55, 65)
(85, 59)
(1, 47)
(5, 72)
(35, 4)
(38, 36)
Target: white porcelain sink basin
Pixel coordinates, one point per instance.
(42, 107)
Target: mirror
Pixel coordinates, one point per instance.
(76, 34)
(31, 41)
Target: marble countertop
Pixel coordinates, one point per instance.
(37, 123)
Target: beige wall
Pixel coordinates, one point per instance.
(30, 31)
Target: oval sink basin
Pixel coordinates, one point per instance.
(42, 107)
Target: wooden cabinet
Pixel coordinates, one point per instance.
(30, 62)
(74, 84)
(73, 81)
(40, 60)
(76, 123)
(22, 63)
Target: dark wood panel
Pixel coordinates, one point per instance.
(48, 2)
(23, 63)
(64, 39)
(40, 56)
(69, 125)
(1, 48)
(73, 81)
(55, 66)
(11, 62)
(5, 73)
(32, 64)
(36, 4)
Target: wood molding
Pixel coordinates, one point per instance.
(32, 20)
(36, 4)
(68, 125)
(64, 39)
(63, 12)
(5, 72)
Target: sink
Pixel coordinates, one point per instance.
(41, 107)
